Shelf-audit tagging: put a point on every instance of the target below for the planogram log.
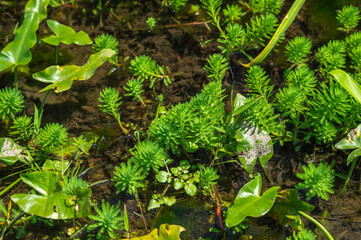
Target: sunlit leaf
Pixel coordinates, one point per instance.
(18, 52)
(250, 203)
(348, 83)
(62, 77)
(165, 232)
(66, 35)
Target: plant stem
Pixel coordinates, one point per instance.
(348, 176)
(324, 230)
(16, 77)
(286, 22)
(266, 174)
(11, 225)
(10, 186)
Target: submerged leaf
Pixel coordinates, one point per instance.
(250, 203)
(62, 77)
(18, 52)
(287, 206)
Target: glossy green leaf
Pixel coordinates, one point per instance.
(190, 189)
(10, 152)
(170, 200)
(18, 52)
(165, 232)
(52, 202)
(162, 176)
(286, 208)
(250, 203)
(66, 35)
(62, 77)
(153, 204)
(348, 83)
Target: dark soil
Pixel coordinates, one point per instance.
(179, 48)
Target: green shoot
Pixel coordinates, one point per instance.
(297, 50)
(52, 136)
(318, 180)
(145, 68)
(348, 18)
(111, 103)
(233, 13)
(218, 65)
(151, 23)
(11, 102)
(108, 219)
(135, 87)
(130, 176)
(213, 7)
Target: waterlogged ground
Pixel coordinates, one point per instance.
(177, 44)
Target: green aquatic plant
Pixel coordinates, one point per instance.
(213, 7)
(318, 180)
(148, 154)
(129, 176)
(165, 231)
(52, 136)
(233, 38)
(207, 179)
(111, 101)
(174, 4)
(233, 13)
(108, 220)
(262, 6)
(23, 127)
(348, 17)
(73, 185)
(11, 102)
(145, 68)
(135, 87)
(297, 50)
(217, 68)
(258, 81)
(261, 28)
(332, 56)
(353, 41)
(304, 234)
(106, 41)
(151, 23)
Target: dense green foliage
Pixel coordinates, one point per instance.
(318, 180)
(11, 102)
(129, 176)
(52, 136)
(106, 41)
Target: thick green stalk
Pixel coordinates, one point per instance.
(286, 22)
(16, 77)
(324, 230)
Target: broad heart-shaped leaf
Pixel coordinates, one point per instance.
(165, 232)
(10, 152)
(249, 202)
(18, 52)
(66, 35)
(352, 141)
(348, 83)
(288, 204)
(52, 202)
(62, 77)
